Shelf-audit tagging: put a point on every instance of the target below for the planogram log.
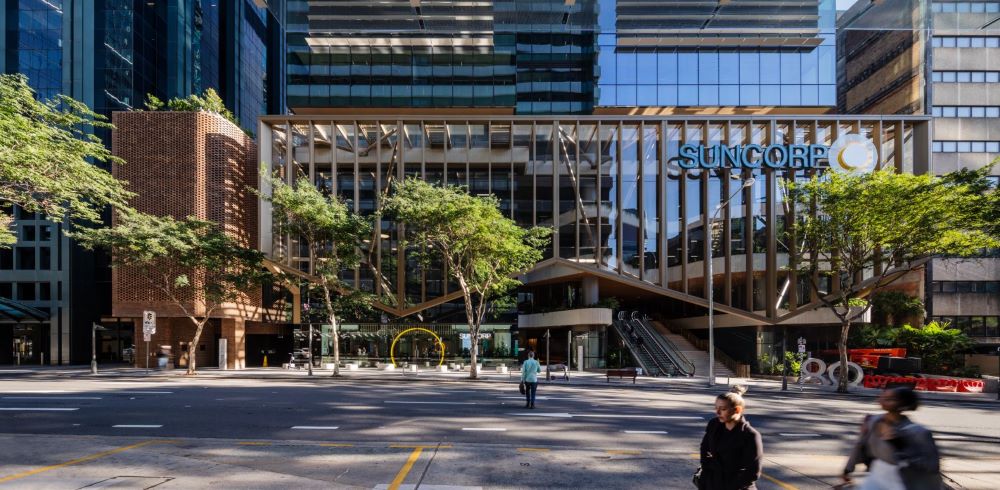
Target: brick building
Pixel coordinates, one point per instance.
(187, 164)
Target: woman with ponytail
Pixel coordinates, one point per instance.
(731, 451)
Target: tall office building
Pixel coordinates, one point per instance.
(110, 54)
(574, 114)
(940, 58)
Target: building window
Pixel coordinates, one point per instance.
(973, 326)
(987, 287)
(26, 291)
(976, 111)
(45, 291)
(965, 146)
(25, 258)
(44, 258)
(965, 7)
(6, 259)
(965, 42)
(6, 290)
(947, 76)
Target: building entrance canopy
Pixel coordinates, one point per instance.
(631, 199)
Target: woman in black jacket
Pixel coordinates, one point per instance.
(731, 451)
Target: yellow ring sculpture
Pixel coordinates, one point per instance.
(392, 349)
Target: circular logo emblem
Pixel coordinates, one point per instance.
(853, 153)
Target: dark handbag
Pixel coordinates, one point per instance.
(696, 478)
(522, 388)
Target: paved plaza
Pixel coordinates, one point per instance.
(63, 428)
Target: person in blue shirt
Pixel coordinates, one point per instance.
(529, 376)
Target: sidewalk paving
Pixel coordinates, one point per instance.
(576, 378)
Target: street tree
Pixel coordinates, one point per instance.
(48, 157)
(480, 248)
(863, 231)
(190, 263)
(332, 234)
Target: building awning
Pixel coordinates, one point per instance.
(12, 310)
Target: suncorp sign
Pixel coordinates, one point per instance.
(851, 153)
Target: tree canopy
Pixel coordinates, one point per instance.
(481, 249)
(863, 231)
(333, 235)
(209, 101)
(48, 156)
(187, 261)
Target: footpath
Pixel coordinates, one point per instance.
(960, 473)
(490, 375)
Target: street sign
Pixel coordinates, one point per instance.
(148, 322)
(802, 341)
(146, 337)
(802, 349)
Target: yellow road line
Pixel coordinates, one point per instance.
(422, 446)
(779, 482)
(83, 459)
(253, 443)
(622, 451)
(532, 449)
(336, 444)
(414, 456)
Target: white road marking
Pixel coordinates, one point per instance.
(136, 426)
(625, 416)
(950, 438)
(485, 429)
(429, 403)
(543, 414)
(645, 432)
(37, 409)
(37, 391)
(315, 427)
(146, 392)
(51, 398)
(786, 434)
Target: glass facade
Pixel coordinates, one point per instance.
(557, 57)
(611, 189)
(37, 50)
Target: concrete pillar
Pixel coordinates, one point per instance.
(234, 331)
(591, 292)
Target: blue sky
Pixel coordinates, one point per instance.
(844, 4)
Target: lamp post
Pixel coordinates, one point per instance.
(708, 282)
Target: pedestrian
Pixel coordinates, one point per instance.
(731, 450)
(163, 356)
(900, 454)
(529, 376)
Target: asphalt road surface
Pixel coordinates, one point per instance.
(131, 432)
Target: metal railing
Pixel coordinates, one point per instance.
(680, 361)
(641, 355)
(739, 370)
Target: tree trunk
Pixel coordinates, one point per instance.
(193, 346)
(474, 351)
(336, 344)
(845, 328)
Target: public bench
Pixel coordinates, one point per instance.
(622, 373)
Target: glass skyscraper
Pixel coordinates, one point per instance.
(561, 57)
(110, 54)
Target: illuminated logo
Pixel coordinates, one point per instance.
(853, 153)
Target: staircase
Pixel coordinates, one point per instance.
(697, 357)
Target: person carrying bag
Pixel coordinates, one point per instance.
(529, 379)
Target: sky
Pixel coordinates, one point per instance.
(844, 4)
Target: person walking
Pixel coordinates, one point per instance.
(900, 454)
(529, 376)
(731, 450)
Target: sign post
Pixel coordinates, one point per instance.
(148, 329)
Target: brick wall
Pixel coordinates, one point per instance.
(186, 164)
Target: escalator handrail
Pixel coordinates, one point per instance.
(682, 363)
(633, 349)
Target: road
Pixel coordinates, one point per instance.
(177, 432)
